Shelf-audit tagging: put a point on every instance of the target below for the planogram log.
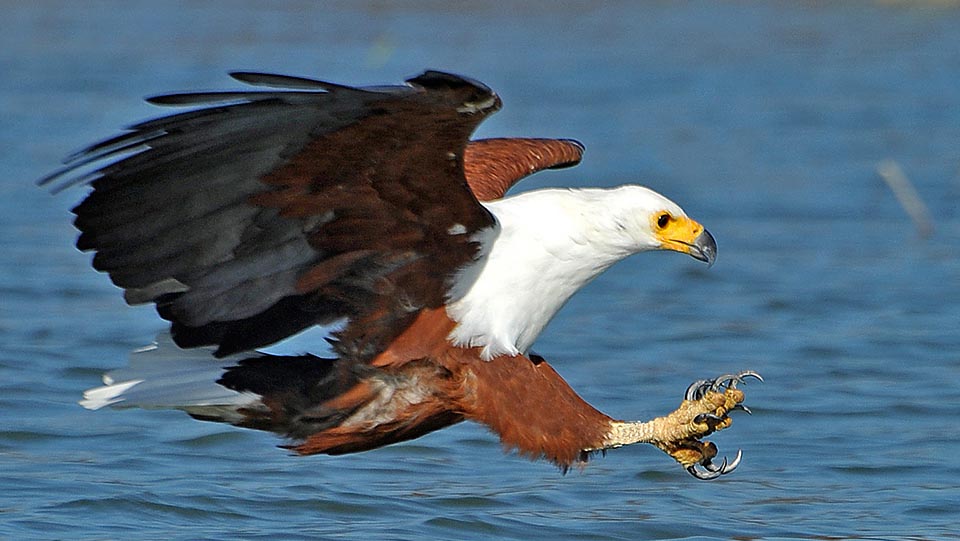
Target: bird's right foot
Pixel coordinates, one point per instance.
(705, 409)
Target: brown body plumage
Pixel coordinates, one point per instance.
(433, 385)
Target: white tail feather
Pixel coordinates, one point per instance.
(98, 397)
(164, 376)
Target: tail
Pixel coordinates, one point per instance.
(237, 389)
(163, 376)
(325, 405)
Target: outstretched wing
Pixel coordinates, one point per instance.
(263, 213)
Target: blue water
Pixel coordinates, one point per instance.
(765, 120)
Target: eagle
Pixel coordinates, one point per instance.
(367, 216)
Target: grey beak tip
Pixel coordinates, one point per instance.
(706, 245)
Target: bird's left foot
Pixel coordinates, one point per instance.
(705, 410)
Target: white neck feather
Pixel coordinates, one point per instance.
(548, 244)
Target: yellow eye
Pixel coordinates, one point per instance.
(663, 220)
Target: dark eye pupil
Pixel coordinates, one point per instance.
(663, 220)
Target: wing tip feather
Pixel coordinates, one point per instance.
(290, 82)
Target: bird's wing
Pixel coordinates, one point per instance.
(263, 213)
(492, 166)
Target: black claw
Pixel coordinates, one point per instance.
(725, 380)
(702, 475)
(712, 471)
(704, 417)
(736, 462)
(742, 408)
(713, 467)
(697, 389)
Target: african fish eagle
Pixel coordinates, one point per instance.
(367, 213)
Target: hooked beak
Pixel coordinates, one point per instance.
(704, 248)
(688, 237)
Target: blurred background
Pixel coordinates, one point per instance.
(818, 141)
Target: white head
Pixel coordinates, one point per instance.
(548, 245)
(638, 219)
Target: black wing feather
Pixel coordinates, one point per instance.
(288, 82)
(248, 221)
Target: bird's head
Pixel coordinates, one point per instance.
(679, 233)
(649, 221)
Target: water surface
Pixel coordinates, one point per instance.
(765, 120)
